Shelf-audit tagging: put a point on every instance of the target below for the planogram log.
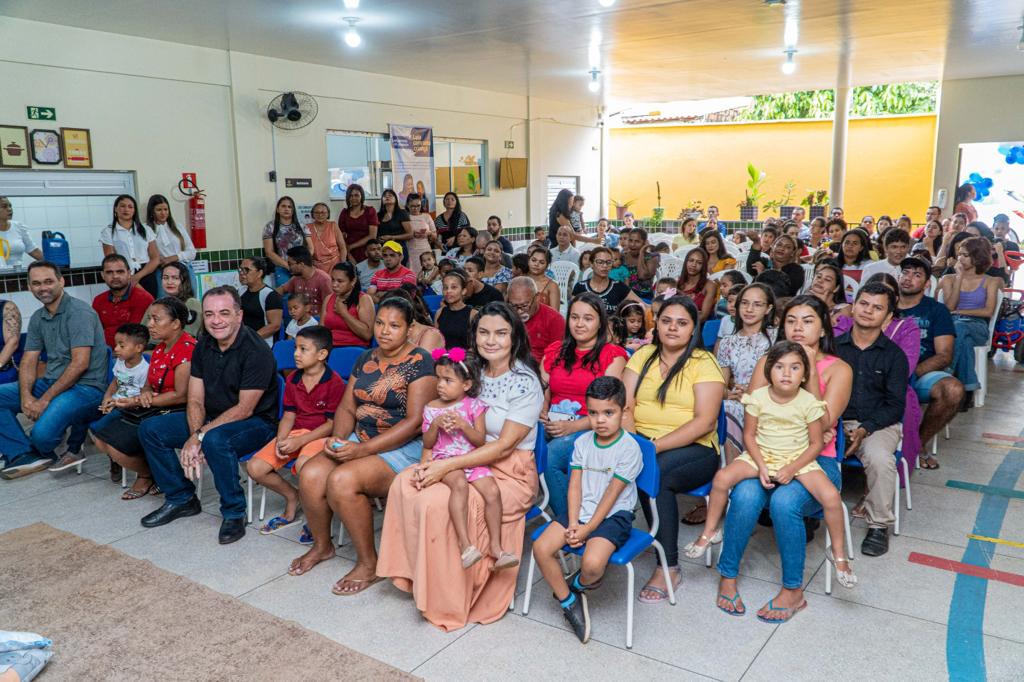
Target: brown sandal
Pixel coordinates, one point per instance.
(132, 494)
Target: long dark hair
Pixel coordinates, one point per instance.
(357, 287)
(702, 279)
(520, 341)
(961, 193)
(185, 292)
(350, 190)
(420, 312)
(769, 315)
(456, 212)
(562, 205)
(567, 353)
(398, 206)
(722, 252)
(155, 201)
(827, 343)
(136, 223)
(865, 246)
(676, 370)
(839, 295)
(277, 216)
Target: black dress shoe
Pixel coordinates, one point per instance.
(231, 530)
(876, 543)
(168, 512)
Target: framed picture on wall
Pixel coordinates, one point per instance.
(77, 147)
(14, 149)
(46, 147)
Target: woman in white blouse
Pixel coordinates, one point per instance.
(16, 235)
(172, 243)
(127, 236)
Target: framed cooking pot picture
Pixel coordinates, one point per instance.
(46, 147)
(77, 147)
(14, 149)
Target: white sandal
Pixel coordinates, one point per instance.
(845, 578)
(695, 551)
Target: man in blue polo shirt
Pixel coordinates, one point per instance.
(939, 391)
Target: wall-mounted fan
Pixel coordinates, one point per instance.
(292, 110)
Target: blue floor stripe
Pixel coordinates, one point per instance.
(986, 489)
(965, 642)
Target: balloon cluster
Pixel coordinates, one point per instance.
(1014, 155)
(982, 186)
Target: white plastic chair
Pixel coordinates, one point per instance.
(670, 267)
(808, 269)
(683, 250)
(566, 275)
(660, 238)
(981, 354)
(521, 247)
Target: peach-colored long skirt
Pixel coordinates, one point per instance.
(419, 551)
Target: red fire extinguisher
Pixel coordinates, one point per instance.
(196, 208)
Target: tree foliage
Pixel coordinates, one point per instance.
(865, 100)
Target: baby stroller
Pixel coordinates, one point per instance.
(1009, 329)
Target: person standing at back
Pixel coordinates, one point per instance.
(173, 244)
(127, 236)
(281, 234)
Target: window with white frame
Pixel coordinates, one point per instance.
(460, 166)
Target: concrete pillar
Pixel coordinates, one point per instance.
(840, 126)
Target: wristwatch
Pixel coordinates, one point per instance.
(199, 435)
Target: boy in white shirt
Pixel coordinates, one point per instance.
(602, 495)
(301, 313)
(131, 371)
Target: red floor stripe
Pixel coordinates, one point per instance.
(966, 569)
(999, 436)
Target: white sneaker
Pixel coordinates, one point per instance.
(69, 460)
(11, 473)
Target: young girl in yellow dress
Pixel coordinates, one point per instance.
(782, 432)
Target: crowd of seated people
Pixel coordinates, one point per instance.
(821, 327)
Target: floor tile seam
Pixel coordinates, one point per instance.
(471, 627)
(41, 492)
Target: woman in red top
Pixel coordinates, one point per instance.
(348, 312)
(568, 368)
(694, 282)
(358, 223)
(117, 433)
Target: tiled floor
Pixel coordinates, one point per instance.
(892, 626)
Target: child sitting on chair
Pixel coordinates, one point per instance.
(301, 312)
(311, 395)
(602, 495)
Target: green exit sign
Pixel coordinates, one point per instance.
(42, 113)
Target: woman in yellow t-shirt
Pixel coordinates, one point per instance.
(674, 394)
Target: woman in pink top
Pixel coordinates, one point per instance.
(962, 199)
(328, 242)
(805, 319)
(568, 368)
(423, 231)
(347, 312)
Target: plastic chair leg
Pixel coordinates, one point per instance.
(946, 436)
(896, 509)
(630, 584)
(664, 568)
(981, 369)
(906, 477)
(263, 503)
(529, 583)
(248, 500)
(828, 564)
(935, 444)
(199, 483)
(124, 477)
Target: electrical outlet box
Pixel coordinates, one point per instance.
(510, 144)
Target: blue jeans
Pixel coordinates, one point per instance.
(281, 275)
(788, 505)
(75, 407)
(222, 447)
(557, 473)
(970, 332)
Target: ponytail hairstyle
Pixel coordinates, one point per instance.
(155, 201)
(357, 287)
(136, 223)
(674, 372)
(465, 365)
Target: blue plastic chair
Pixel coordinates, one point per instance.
(284, 354)
(285, 318)
(649, 482)
(433, 302)
(343, 358)
(709, 332)
(540, 456)
(900, 462)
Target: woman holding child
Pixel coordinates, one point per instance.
(117, 432)
(419, 548)
(376, 435)
(673, 396)
(805, 320)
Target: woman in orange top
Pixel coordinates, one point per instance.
(328, 242)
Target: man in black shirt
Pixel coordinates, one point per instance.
(877, 400)
(232, 411)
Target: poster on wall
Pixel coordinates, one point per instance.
(412, 160)
(996, 169)
(14, 150)
(77, 147)
(46, 147)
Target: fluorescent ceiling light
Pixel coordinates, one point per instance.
(789, 66)
(595, 84)
(352, 37)
(351, 4)
(606, 3)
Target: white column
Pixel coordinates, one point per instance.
(840, 126)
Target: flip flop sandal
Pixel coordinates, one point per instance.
(505, 560)
(471, 556)
(695, 551)
(738, 609)
(661, 592)
(934, 464)
(791, 612)
(132, 494)
(361, 585)
(306, 537)
(845, 578)
(275, 524)
(688, 521)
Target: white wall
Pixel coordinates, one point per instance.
(162, 108)
(975, 110)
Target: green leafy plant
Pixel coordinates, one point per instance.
(815, 198)
(657, 216)
(693, 209)
(754, 194)
(865, 100)
(625, 205)
(787, 196)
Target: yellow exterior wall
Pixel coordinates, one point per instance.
(888, 168)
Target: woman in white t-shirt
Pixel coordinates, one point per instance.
(173, 244)
(127, 236)
(16, 235)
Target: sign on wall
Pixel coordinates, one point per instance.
(412, 160)
(42, 113)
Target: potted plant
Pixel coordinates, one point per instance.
(657, 213)
(815, 202)
(694, 209)
(782, 203)
(753, 195)
(620, 209)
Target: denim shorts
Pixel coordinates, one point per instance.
(924, 383)
(615, 528)
(403, 457)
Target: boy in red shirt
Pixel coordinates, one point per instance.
(311, 395)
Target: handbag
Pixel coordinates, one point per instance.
(134, 417)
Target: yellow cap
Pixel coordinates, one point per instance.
(393, 245)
